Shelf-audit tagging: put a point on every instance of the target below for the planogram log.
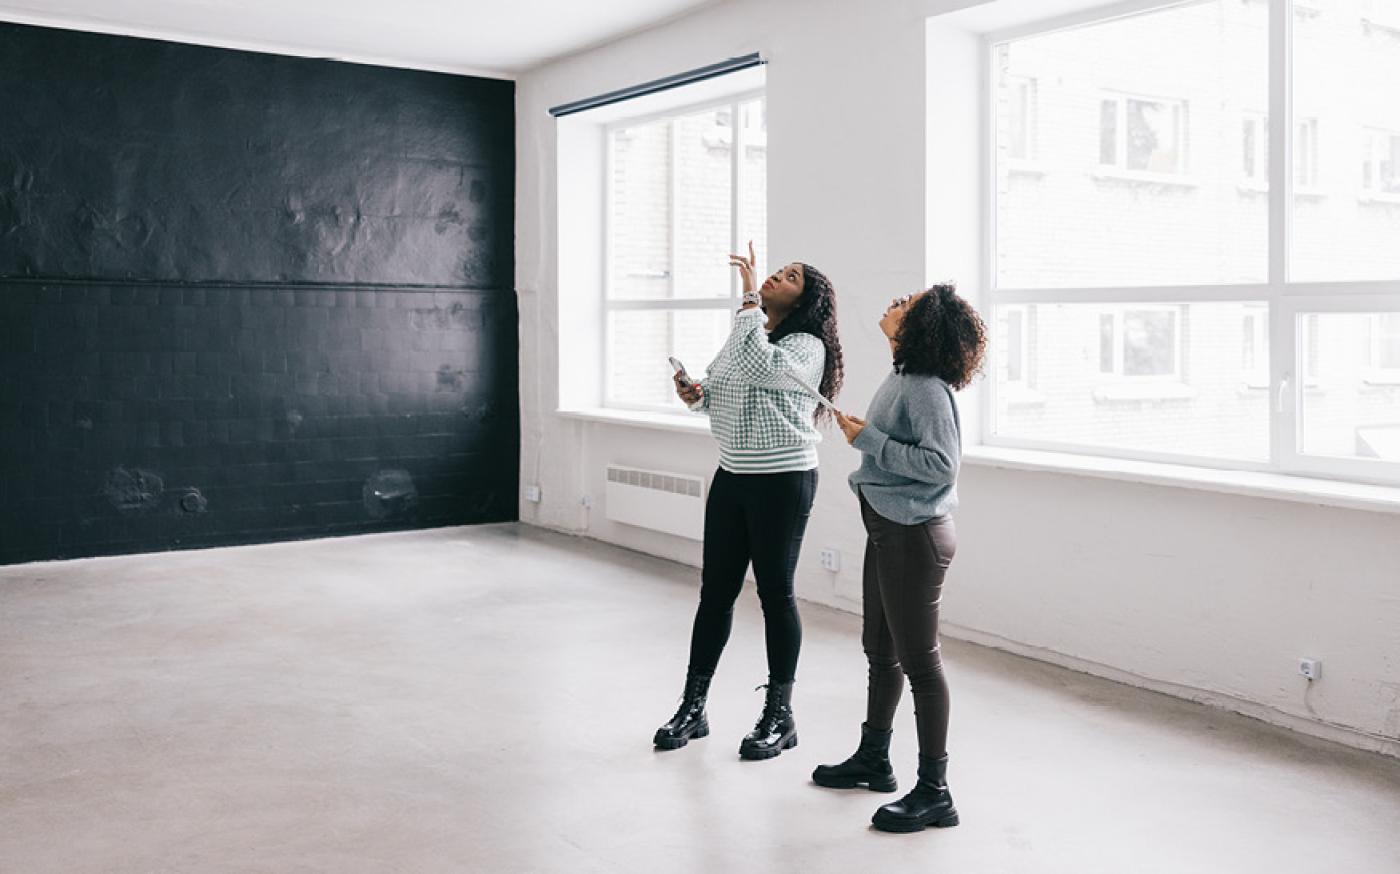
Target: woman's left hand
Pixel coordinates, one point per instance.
(851, 426)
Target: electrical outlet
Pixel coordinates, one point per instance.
(1310, 668)
(532, 494)
(831, 560)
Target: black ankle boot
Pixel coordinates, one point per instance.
(929, 804)
(775, 730)
(689, 721)
(870, 766)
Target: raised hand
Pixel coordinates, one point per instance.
(748, 269)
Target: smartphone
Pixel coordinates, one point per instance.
(679, 368)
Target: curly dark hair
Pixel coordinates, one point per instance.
(942, 336)
(815, 314)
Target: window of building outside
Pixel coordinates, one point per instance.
(1152, 314)
(683, 191)
(1380, 163)
(1255, 140)
(1020, 139)
(1143, 134)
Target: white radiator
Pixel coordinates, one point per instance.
(669, 502)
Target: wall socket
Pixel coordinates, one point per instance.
(532, 494)
(831, 560)
(1310, 668)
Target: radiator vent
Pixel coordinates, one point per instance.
(673, 503)
(674, 483)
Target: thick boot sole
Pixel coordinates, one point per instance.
(759, 753)
(900, 825)
(874, 784)
(667, 742)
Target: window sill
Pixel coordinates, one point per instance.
(1134, 178)
(1381, 376)
(1380, 197)
(1025, 168)
(1144, 391)
(1260, 189)
(684, 423)
(1275, 486)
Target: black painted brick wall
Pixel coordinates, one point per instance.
(341, 361)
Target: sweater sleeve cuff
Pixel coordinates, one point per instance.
(870, 439)
(750, 312)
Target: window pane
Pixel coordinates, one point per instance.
(1014, 345)
(1149, 343)
(753, 181)
(669, 220)
(1252, 170)
(1108, 132)
(1350, 405)
(1153, 136)
(1138, 152)
(639, 220)
(639, 342)
(1157, 378)
(1346, 81)
(704, 177)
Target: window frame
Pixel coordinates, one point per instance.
(730, 302)
(1286, 301)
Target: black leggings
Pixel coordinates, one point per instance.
(903, 583)
(759, 518)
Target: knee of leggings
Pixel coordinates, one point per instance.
(926, 676)
(715, 602)
(881, 663)
(779, 602)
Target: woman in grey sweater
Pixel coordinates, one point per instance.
(910, 444)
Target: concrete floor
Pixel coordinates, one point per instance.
(482, 700)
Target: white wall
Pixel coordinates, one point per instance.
(1204, 595)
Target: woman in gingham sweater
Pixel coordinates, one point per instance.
(761, 495)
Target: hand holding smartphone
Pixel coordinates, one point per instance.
(681, 375)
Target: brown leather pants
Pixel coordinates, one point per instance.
(903, 584)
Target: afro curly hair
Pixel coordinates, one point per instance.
(942, 336)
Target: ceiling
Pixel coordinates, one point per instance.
(499, 38)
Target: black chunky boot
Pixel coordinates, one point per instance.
(690, 720)
(929, 804)
(869, 767)
(775, 730)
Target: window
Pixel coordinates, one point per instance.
(1254, 348)
(1305, 155)
(1176, 320)
(1142, 135)
(1380, 162)
(1014, 340)
(1020, 110)
(1140, 343)
(683, 191)
(1255, 139)
(1381, 346)
(1256, 153)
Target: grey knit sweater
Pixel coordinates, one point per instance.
(910, 449)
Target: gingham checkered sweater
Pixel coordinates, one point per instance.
(760, 417)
